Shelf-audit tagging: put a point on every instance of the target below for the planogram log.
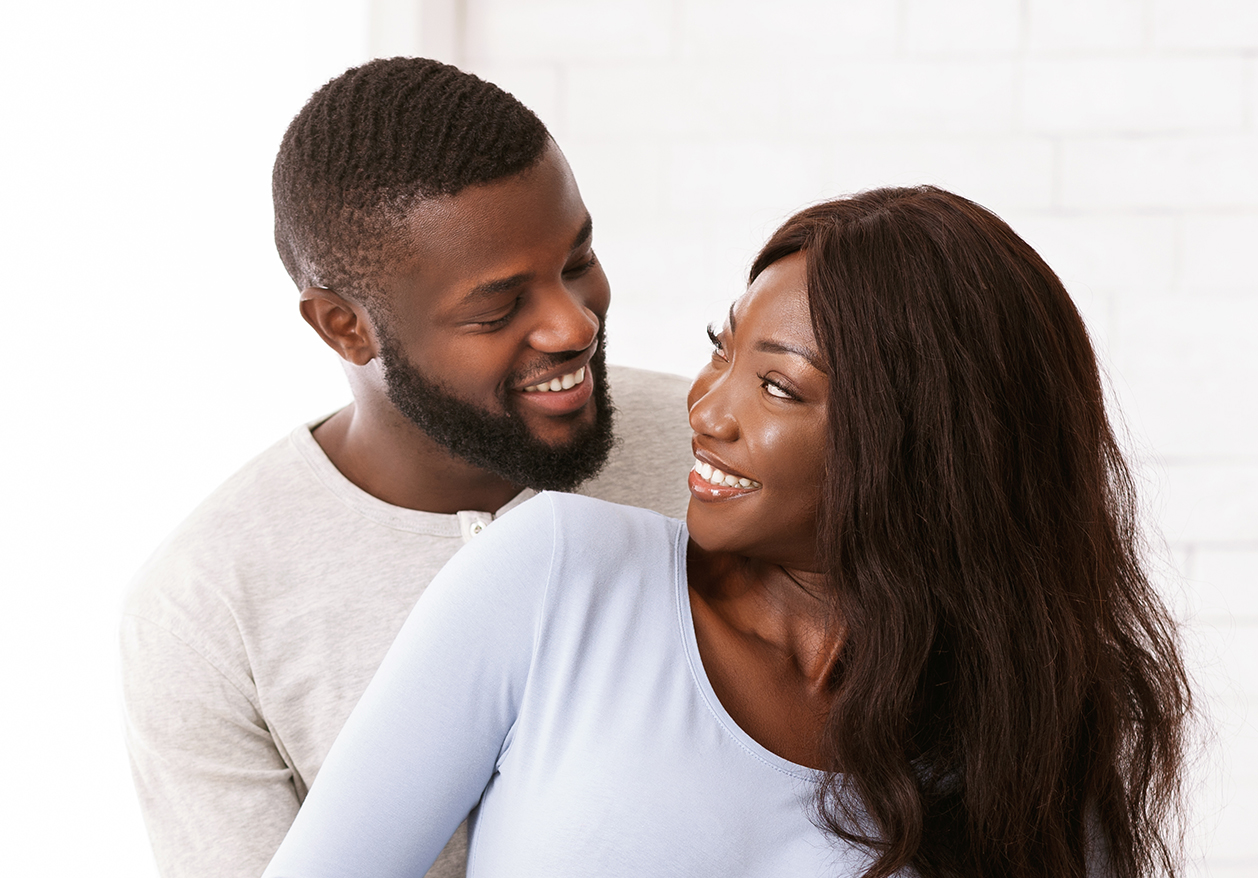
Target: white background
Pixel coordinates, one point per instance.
(153, 341)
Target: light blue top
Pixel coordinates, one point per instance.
(550, 675)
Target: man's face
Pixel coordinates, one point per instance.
(492, 340)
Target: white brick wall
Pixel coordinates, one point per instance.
(1121, 94)
(1070, 26)
(1120, 137)
(961, 27)
(1181, 173)
(1205, 25)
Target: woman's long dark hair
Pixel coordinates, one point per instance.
(1011, 700)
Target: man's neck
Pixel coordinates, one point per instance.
(393, 460)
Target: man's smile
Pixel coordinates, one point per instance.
(564, 382)
(562, 394)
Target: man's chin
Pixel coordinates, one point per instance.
(558, 432)
(560, 453)
(525, 446)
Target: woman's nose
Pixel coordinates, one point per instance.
(710, 411)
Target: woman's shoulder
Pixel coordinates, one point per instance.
(579, 539)
(575, 520)
(553, 534)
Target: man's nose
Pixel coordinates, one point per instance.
(565, 322)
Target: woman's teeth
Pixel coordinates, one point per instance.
(714, 476)
(563, 382)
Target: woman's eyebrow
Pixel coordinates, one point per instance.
(773, 346)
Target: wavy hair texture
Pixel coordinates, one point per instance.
(372, 143)
(1011, 700)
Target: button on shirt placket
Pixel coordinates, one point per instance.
(472, 522)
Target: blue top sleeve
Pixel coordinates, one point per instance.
(422, 744)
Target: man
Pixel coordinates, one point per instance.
(443, 251)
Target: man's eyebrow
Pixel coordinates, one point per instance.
(587, 230)
(506, 284)
(499, 285)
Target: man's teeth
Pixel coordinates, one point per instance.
(563, 382)
(714, 476)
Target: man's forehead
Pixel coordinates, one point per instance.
(543, 200)
(491, 237)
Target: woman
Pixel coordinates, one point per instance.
(904, 630)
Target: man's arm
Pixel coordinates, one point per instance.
(216, 793)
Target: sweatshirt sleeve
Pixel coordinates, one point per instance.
(216, 793)
(422, 744)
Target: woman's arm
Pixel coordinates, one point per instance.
(422, 744)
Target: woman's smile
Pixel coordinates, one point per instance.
(717, 473)
(758, 411)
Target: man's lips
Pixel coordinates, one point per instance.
(543, 381)
(560, 393)
(561, 382)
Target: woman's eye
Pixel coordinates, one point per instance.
(718, 349)
(776, 390)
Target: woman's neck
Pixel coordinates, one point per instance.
(770, 643)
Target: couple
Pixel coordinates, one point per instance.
(903, 630)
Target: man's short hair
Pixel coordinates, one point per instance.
(372, 143)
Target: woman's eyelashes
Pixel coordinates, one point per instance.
(718, 347)
(774, 387)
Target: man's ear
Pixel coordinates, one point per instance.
(343, 324)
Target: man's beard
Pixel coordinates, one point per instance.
(502, 443)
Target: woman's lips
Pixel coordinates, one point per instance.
(716, 476)
(708, 482)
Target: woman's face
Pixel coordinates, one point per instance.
(758, 412)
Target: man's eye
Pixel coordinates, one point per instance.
(499, 322)
(578, 270)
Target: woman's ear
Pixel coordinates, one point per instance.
(341, 323)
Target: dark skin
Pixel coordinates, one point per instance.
(767, 651)
(499, 289)
(378, 449)
(768, 641)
